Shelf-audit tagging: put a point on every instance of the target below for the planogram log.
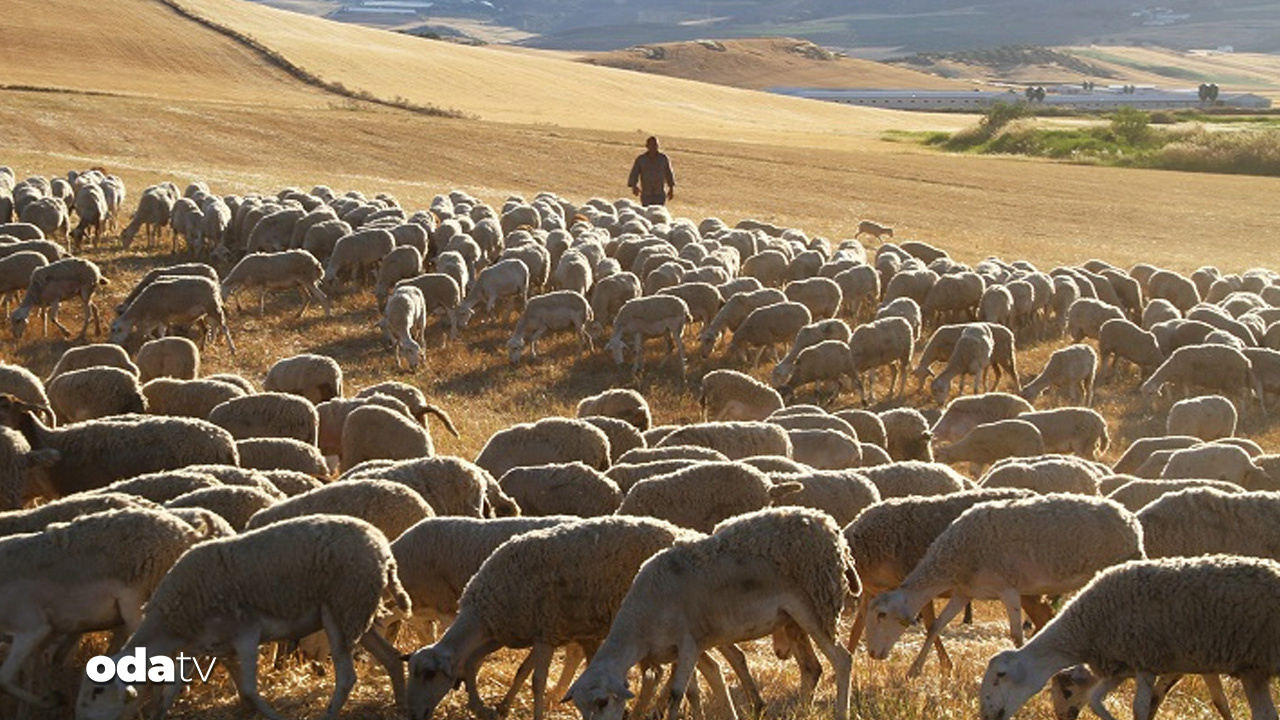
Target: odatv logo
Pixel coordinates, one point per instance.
(140, 668)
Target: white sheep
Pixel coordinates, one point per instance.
(573, 272)
(450, 485)
(549, 440)
(703, 494)
(404, 323)
(824, 448)
(15, 274)
(622, 403)
(388, 506)
(1214, 367)
(1171, 286)
(178, 300)
(374, 432)
(286, 580)
(644, 317)
(1121, 338)
(1207, 417)
(95, 392)
(442, 296)
(187, 398)
(282, 454)
(965, 413)
(355, 255)
(1002, 550)
(826, 362)
(735, 439)
(858, 284)
(1217, 461)
(268, 414)
(503, 279)
(173, 357)
(906, 478)
(1071, 370)
(766, 327)
(315, 377)
(233, 503)
(414, 400)
(732, 395)
(559, 310)
(608, 296)
(822, 296)
(276, 271)
(790, 568)
(1077, 430)
(989, 442)
(92, 355)
(401, 263)
(53, 283)
(972, 355)
(561, 489)
(906, 434)
(1086, 316)
(735, 311)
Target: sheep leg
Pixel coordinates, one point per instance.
(638, 364)
(1148, 695)
(1258, 693)
(953, 608)
(1037, 610)
(53, 315)
(738, 661)
(517, 681)
(24, 645)
(262, 302)
(650, 678)
(928, 616)
(541, 667)
(344, 668)
(574, 655)
(686, 661)
(1013, 608)
(533, 341)
(715, 679)
(245, 673)
(859, 623)
(807, 660)
(840, 659)
(386, 654)
(680, 354)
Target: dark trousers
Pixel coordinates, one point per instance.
(654, 199)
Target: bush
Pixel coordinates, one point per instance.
(1129, 125)
(1255, 152)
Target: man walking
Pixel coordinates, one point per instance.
(651, 177)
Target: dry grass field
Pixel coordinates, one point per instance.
(153, 96)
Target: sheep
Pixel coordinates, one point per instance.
(1142, 448)
(1043, 476)
(1158, 310)
(442, 297)
(375, 432)
(38, 519)
(953, 296)
(15, 273)
(943, 340)
(701, 495)
(1217, 462)
(995, 305)
(907, 284)
(866, 425)
(1004, 549)
(49, 214)
(822, 296)
(608, 297)
(93, 355)
(1213, 367)
(233, 503)
(388, 506)
(670, 452)
(173, 301)
(559, 310)
(505, 278)
(806, 337)
(1174, 334)
(1265, 363)
(621, 403)
(914, 478)
(1206, 520)
(285, 580)
(268, 414)
(971, 355)
(888, 540)
(1071, 370)
(321, 238)
(564, 489)
(281, 454)
(90, 574)
(989, 442)
(97, 452)
(1086, 316)
(875, 230)
(158, 487)
(735, 311)
(906, 434)
(356, 254)
(650, 316)
(816, 419)
(274, 271)
(402, 263)
(413, 399)
(622, 435)
(404, 323)
(95, 392)
(964, 413)
(858, 284)
(55, 282)
(573, 273)
(187, 398)
(765, 327)
(291, 482)
(824, 448)
(840, 494)
(827, 361)
(1136, 494)
(171, 357)
(1175, 288)
(154, 208)
(731, 395)
(1076, 430)
(170, 271)
(735, 440)
(585, 567)
(450, 485)
(314, 377)
(549, 440)
(1146, 618)
(794, 571)
(1120, 338)
(702, 299)
(451, 263)
(1207, 417)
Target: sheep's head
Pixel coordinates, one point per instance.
(463, 315)
(126, 237)
(1070, 691)
(120, 329)
(515, 348)
(618, 348)
(432, 675)
(105, 701)
(599, 696)
(887, 618)
(706, 343)
(18, 322)
(1006, 687)
(413, 351)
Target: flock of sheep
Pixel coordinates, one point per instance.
(204, 514)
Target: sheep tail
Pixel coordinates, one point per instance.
(444, 418)
(398, 593)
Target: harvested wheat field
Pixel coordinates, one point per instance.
(247, 100)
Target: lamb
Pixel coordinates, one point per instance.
(989, 442)
(564, 489)
(1071, 370)
(404, 323)
(1217, 462)
(505, 278)
(504, 604)
(1086, 316)
(731, 395)
(93, 355)
(314, 377)
(621, 403)
(388, 506)
(701, 495)
(275, 271)
(375, 432)
(1207, 417)
(1076, 430)
(549, 440)
(676, 603)
(909, 478)
(888, 540)
(281, 454)
(644, 317)
(1137, 494)
(187, 398)
(559, 310)
(450, 485)
(91, 574)
(876, 230)
(173, 301)
(735, 311)
(97, 452)
(943, 341)
(735, 440)
(233, 503)
(287, 580)
(1213, 367)
(1124, 623)
(355, 255)
(965, 413)
(906, 434)
(971, 355)
(1004, 549)
(95, 392)
(55, 282)
(414, 400)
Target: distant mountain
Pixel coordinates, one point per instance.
(866, 27)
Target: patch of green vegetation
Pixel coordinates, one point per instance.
(922, 137)
(1130, 139)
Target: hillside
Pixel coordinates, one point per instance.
(759, 63)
